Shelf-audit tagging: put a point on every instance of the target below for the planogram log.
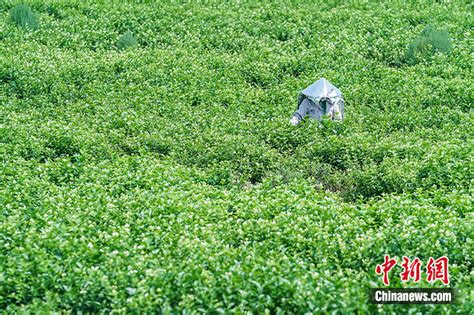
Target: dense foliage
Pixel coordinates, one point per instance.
(167, 178)
(430, 42)
(127, 40)
(22, 16)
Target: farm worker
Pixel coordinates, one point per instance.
(319, 99)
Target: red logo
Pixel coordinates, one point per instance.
(385, 268)
(412, 270)
(436, 269)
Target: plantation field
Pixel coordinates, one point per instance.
(147, 162)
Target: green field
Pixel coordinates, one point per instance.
(164, 176)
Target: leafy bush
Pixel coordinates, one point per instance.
(23, 16)
(430, 42)
(167, 179)
(127, 40)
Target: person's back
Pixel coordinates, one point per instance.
(316, 111)
(317, 100)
